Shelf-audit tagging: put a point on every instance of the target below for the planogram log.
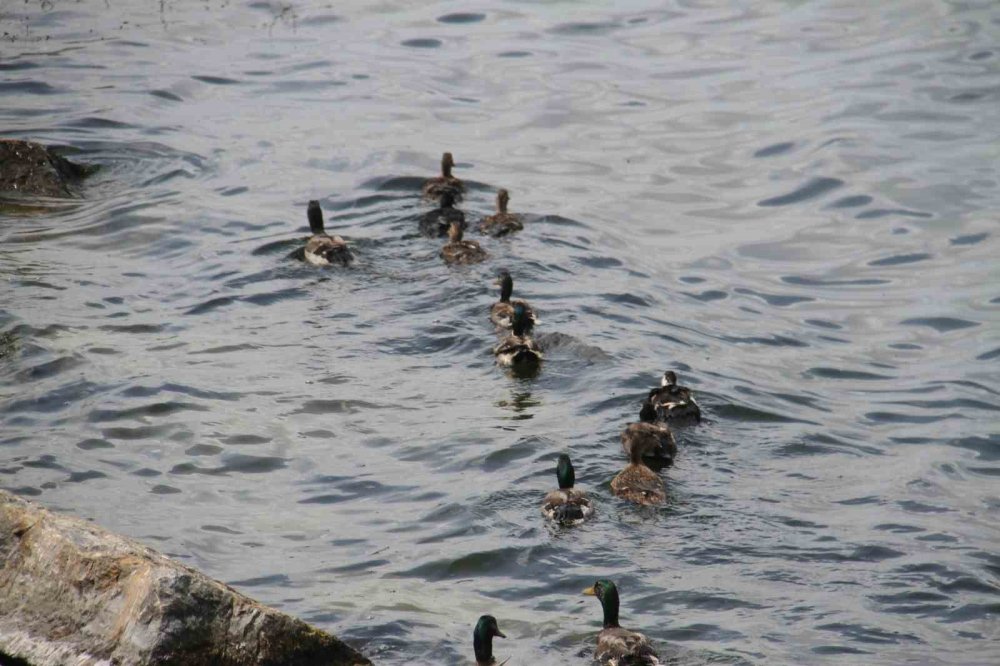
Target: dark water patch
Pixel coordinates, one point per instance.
(940, 324)
(167, 95)
(94, 443)
(773, 341)
(211, 304)
(274, 580)
(970, 239)
(48, 369)
(896, 528)
(422, 43)
(227, 349)
(321, 19)
(151, 410)
(862, 634)
(895, 417)
(986, 448)
(921, 507)
(53, 401)
(135, 328)
(777, 300)
(811, 190)
(839, 373)
(220, 529)
(876, 213)
(744, 413)
(338, 407)
(626, 299)
(898, 259)
(852, 201)
(80, 477)
(584, 29)
(18, 65)
(170, 387)
(137, 433)
(93, 122)
(162, 489)
(598, 262)
(775, 149)
(350, 489)
(245, 440)
(461, 17)
(26, 87)
(23, 491)
(233, 191)
(240, 463)
(509, 561)
(216, 80)
(203, 450)
(708, 296)
(515, 54)
(816, 282)
(981, 55)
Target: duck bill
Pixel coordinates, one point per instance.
(501, 634)
(590, 591)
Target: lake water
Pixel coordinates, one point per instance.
(793, 204)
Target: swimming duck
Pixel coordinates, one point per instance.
(435, 223)
(673, 402)
(517, 349)
(654, 439)
(502, 223)
(458, 251)
(637, 482)
(567, 505)
(502, 311)
(482, 640)
(617, 646)
(435, 187)
(323, 249)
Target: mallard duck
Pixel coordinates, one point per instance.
(435, 187)
(637, 482)
(502, 311)
(654, 439)
(567, 505)
(501, 223)
(673, 402)
(435, 223)
(458, 251)
(323, 249)
(517, 349)
(482, 640)
(617, 646)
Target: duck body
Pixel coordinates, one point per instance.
(654, 442)
(518, 350)
(322, 249)
(437, 222)
(638, 483)
(458, 251)
(502, 312)
(501, 223)
(446, 183)
(617, 646)
(674, 403)
(567, 505)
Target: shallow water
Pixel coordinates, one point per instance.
(792, 204)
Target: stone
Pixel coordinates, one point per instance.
(32, 169)
(74, 593)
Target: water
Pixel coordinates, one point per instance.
(794, 205)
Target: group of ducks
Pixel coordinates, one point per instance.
(648, 443)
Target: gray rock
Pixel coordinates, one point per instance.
(34, 170)
(74, 594)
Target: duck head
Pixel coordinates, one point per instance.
(669, 379)
(648, 412)
(519, 320)
(607, 593)
(565, 472)
(315, 214)
(447, 162)
(482, 638)
(502, 198)
(506, 283)
(455, 233)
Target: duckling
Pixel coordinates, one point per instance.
(435, 223)
(323, 249)
(517, 348)
(502, 223)
(654, 439)
(673, 402)
(502, 310)
(637, 482)
(446, 182)
(482, 640)
(567, 505)
(617, 646)
(458, 251)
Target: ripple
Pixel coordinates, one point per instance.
(812, 189)
(940, 324)
(461, 17)
(899, 259)
(423, 43)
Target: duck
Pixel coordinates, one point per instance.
(673, 402)
(323, 249)
(482, 641)
(435, 223)
(617, 646)
(637, 482)
(518, 349)
(654, 439)
(501, 223)
(437, 186)
(458, 251)
(567, 506)
(502, 311)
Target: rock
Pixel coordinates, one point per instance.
(34, 170)
(73, 593)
